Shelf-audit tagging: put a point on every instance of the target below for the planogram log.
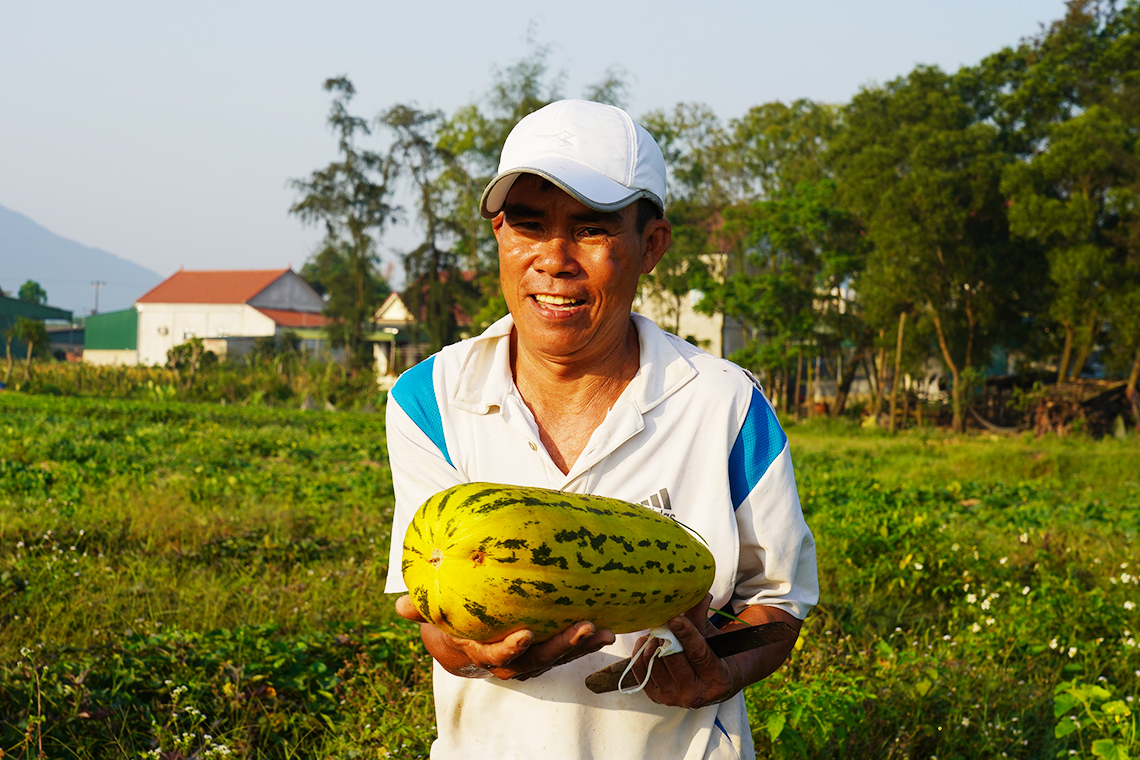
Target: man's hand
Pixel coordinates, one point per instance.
(697, 677)
(515, 657)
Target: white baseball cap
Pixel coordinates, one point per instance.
(594, 152)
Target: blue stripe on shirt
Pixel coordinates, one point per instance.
(415, 393)
(760, 441)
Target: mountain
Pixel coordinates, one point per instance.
(66, 269)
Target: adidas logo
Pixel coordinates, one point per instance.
(659, 502)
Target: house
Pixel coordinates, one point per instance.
(227, 309)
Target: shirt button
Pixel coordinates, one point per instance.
(533, 446)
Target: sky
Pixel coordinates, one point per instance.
(166, 133)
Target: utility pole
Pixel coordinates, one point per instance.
(97, 284)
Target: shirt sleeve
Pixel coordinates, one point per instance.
(418, 455)
(777, 565)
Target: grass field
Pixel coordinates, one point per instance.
(191, 580)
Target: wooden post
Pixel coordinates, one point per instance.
(799, 380)
(898, 362)
(809, 395)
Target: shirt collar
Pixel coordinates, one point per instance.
(485, 368)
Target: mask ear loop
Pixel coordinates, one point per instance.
(669, 645)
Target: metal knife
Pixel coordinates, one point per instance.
(726, 644)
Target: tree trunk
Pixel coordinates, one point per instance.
(844, 385)
(8, 351)
(905, 409)
(799, 384)
(898, 365)
(957, 395)
(1130, 391)
(1078, 364)
(1066, 353)
(971, 328)
(881, 361)
(872, 378)
(809, 394)
(28, 363)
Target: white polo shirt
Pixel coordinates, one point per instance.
(690, 436)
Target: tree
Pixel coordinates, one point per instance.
(450, 159)
(922, 171)
(350, 198)
(1074, 191)
(790, 255)
(437, 290)
(695, 146)
(33, 334)
(190, 356)
(32, 292)
(759, 192)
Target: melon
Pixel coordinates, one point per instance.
(482, 560)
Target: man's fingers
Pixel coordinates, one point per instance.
(407, 610)
(697, 651)
(501, 653)
(700, 612)
(576, 641)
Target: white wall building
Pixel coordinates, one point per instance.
(219, 306)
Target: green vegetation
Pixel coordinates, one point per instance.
(970, 217)
(269, 379)
(197, 580)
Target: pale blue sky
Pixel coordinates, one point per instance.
(165, 133)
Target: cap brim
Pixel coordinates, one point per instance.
(588, 186)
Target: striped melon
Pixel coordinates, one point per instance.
(482, 560)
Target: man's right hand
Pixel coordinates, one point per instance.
(515, 656)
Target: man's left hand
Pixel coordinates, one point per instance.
(696, 677)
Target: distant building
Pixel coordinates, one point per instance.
(228, 310)
(711, 332)
(12, 308)
(112, 338)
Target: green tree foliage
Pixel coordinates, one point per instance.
(438, 291)
(351, 199)
(448, 160)
(186, 359)
(757, 228)
(34, 336)
(938, 215)
(695, 147)
(1075, 192)
(32, 292)
(922, 171)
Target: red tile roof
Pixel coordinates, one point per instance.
(228, 286)
(295, 318)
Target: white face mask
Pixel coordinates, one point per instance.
(668, 646)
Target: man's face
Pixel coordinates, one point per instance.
(569, 273)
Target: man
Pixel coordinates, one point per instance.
(573, 392)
